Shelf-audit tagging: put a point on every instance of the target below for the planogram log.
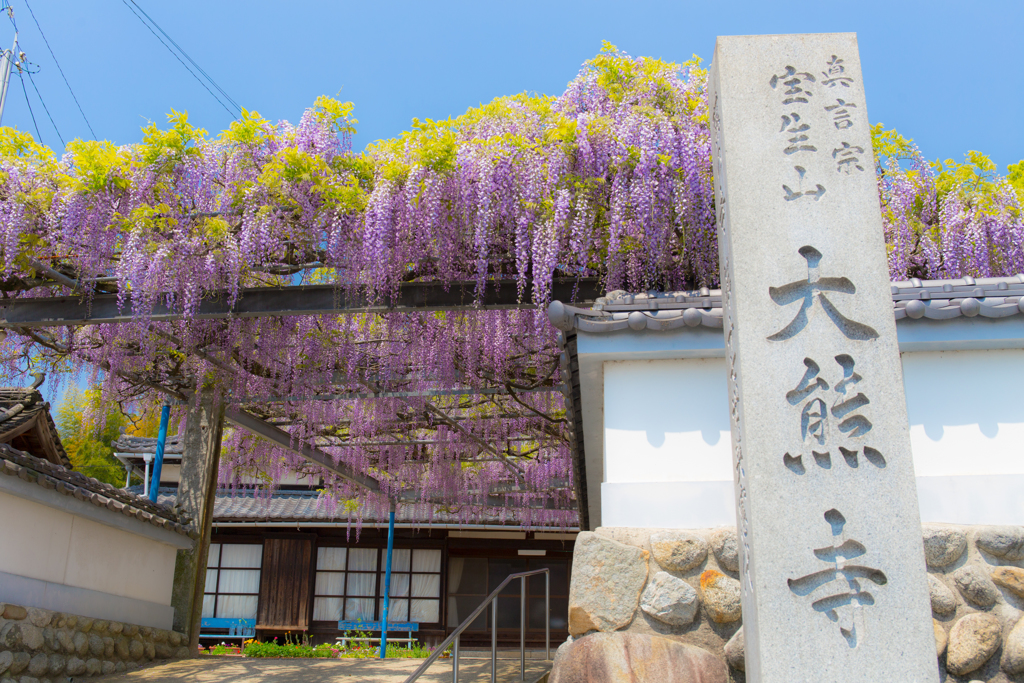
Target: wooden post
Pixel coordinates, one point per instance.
(196, 490)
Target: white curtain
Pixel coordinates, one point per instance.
(424, 560)
(400, 559)
(208, 601)
(398, 610)
(330, 558)
(330, 583)
(426, 585)
(455, 567)
(424, 611)
(359, 608)
(399, 586)
(239, 581)
(237, 606)
(327, 609)
(214, 557)
(241, 555)
(362, 559)
(211, 581)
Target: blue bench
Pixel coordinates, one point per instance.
(393, 627)
(238, 629)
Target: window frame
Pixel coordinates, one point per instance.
(378, 596)
(219, 568)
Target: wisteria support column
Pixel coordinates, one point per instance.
(196, 490)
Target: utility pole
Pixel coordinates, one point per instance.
(6, 62)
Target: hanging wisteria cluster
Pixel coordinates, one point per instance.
(611, 180)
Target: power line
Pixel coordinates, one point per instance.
(45, 108)
(73, 96)
(196, 65)
(171, 50)
(39, 136)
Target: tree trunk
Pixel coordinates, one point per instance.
(196, 489)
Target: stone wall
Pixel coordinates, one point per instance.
(660, 589)
(40, 646)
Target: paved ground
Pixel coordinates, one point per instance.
(243, 669)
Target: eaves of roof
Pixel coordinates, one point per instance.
(49, 476)
(996, 297)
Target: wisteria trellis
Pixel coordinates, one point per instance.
(611, 179)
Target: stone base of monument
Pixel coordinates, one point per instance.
(663, 606)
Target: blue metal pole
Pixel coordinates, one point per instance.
(158, 461)
(387, 584)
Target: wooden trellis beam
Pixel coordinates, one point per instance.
(264, 302)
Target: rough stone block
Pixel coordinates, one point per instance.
(108, 647)
(1006, 542)
(678, 550)
(100, 626)
(1013, 650)
(972, 640)
(57, 663)
(10, 636)
(135, 649)
(163, 651)
(121, 648)
(20, 663)
(14, 612)
(107, 667)
(149, 650)
(615, 657)
(606, 583)
(670, 599)
(115, 627)
(92, 666)
(6, 659)
(182, 652)
(943, 545)
(721, 597)
(942, 597)
(724, 545)
(940, 637)
(39, 665)
(95, 645)
(975, 585)
(734, 651)
(81, 642)
(75, 666)
(1010, 578)
(38, 617)
(31, 636)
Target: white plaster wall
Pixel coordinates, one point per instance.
(667, 459)
(967, 434)
(44, 543)
(666, 444)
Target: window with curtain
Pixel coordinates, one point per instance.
(350, 584)
(233, 580)
(415, 586)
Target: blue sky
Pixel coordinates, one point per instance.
(947, 74)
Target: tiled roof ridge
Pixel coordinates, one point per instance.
(994, 297)
(38, 471)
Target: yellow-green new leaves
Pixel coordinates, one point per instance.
(289, 166)
(96, 166)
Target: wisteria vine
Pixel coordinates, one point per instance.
(612, 179)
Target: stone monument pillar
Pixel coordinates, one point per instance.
(832, 564)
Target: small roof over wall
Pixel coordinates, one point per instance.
(14, 463)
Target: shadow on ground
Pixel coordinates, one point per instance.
(240, 669)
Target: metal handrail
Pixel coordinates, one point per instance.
(493, 598)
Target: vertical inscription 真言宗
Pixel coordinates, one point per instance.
(833, 576)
